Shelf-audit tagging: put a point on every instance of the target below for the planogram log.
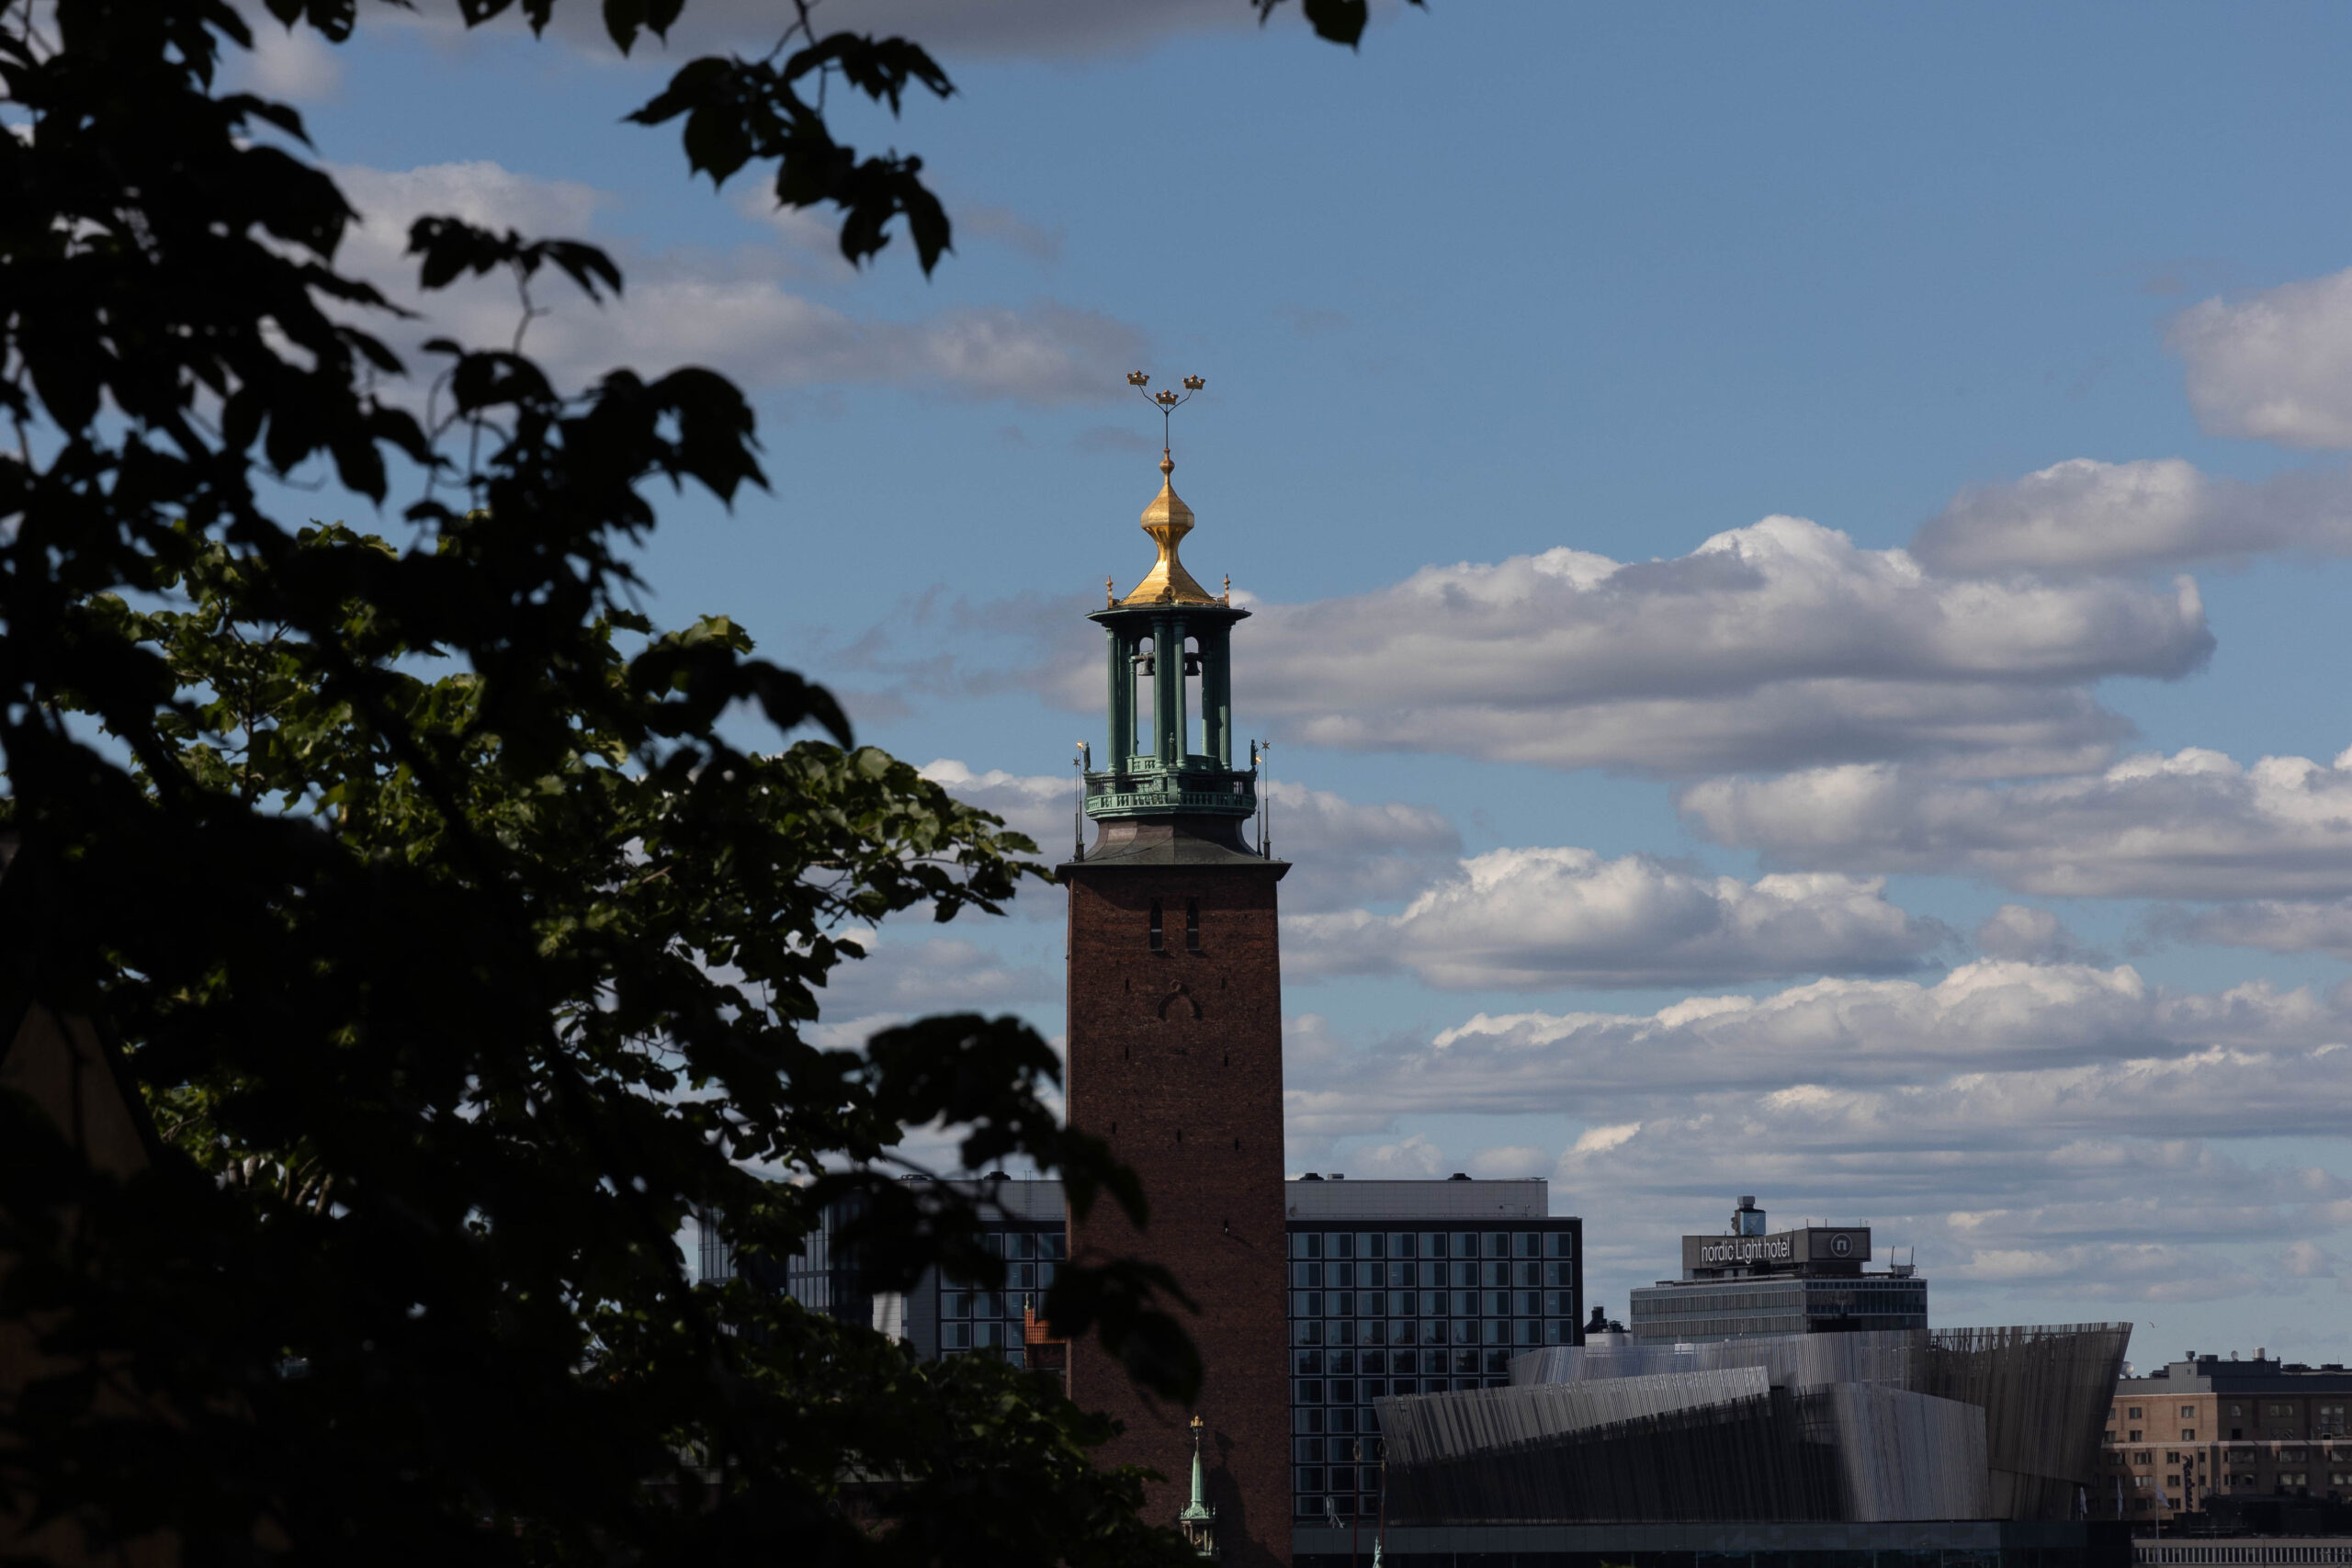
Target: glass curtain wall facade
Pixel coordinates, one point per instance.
(1375, 1313)
(991, 1322)
(1731, 1309)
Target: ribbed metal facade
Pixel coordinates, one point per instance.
(1895, 1424)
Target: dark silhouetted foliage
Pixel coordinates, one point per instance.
(456, 953)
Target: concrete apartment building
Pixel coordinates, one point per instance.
(2213, 1426)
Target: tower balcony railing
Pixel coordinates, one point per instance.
(1146, 786)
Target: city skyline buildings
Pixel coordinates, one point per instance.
(1983, 300)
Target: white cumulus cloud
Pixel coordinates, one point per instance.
(902, 977)
(293, 64)
(1535, 919)
(1990, 1027)
(2083, 515)
(1042, 805)
(2275, 366)
(2195, 825)
(2022, 1184)
(2274, 925)
(2037, 1131)
(1409, 1159)
(2027, 936)
(1776, 644)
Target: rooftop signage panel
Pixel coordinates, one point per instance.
(1814, 1244)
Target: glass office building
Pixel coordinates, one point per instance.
(1412, 1286)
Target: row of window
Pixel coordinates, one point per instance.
(1458, 1362)
(2234, 1456)
(1347, 1391)
(1429, 1276)
(1320, 1451)
(1864, 1304)
(1025, 1252)
(1338, 1420)
(1696, 1328)
(1431, 1244)
(979, 1336)
(992, 1304)
(1719, 1328)
(1819, 1304)
(1782, 1299)
(1526, 1332)
(1432, 1303)
(1346, 1364)
(2276, 1409)
(1346, 1420)
(1340, 1478)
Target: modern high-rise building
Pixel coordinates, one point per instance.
(1175, 1042)
(1750, 1280)
(1409, 1288)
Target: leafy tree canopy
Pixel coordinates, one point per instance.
(456, 953)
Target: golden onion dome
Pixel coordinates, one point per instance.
(1167, 520)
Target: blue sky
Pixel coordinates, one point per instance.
(1907, 857)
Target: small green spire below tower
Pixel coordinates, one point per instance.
(1198, 1521)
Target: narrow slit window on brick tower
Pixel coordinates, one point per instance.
(1191, 925)
(1158, 943)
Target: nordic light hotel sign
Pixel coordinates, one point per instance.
(1782, 1249)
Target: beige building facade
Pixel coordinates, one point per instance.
(2213, 1426)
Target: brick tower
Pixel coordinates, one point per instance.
(1175, 1048)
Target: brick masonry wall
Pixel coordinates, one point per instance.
(1175, 1056)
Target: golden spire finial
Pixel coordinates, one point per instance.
(1166, 519)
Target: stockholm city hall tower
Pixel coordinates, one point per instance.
(1175, 1048)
